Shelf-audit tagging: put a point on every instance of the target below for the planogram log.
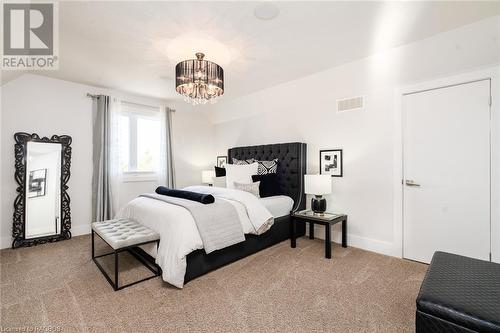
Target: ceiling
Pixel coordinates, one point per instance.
(133, 46)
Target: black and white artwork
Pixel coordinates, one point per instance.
(330, 162)
(37, 181)
(221, 161)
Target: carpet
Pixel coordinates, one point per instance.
(57, 287)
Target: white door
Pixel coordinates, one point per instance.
(446, 135)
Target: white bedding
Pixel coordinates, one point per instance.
(179, 235)
(278, 205)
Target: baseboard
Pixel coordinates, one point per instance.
(364, 243)
(6, 242)
(80, 230)
(368, 244)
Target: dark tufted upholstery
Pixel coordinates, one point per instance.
(291, 165)
(459, 294)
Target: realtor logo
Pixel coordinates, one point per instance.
(29, 36)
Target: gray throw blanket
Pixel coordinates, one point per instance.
(218, 223)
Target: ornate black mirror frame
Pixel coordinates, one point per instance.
(19, 219)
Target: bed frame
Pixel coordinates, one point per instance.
(291, 171)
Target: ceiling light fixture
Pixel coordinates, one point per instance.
(199, 81)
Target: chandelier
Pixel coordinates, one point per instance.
(199, 81)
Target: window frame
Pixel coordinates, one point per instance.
(133, 112)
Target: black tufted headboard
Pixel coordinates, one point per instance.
(291, 166)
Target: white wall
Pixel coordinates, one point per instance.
(300, 110)
(38, 104)
(304, 110)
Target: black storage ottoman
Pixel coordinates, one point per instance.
(459, 294)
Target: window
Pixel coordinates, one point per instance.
(140, 136)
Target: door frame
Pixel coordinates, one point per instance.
(492, 74)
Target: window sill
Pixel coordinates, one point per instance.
(131, 177)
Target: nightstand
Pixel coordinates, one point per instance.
(327, 219)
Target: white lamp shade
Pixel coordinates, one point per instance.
(318, 184)
(207, 176)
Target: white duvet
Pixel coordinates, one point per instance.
(179, 235)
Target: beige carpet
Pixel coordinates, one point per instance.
(57, 286)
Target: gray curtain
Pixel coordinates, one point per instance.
(102, 206)
(169, 164)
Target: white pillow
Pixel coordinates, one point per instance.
(240, 173)
(219, 181)
(251, 188)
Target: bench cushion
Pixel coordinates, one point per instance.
(121, 233)
(463, 291)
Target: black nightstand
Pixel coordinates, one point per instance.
(327, 219)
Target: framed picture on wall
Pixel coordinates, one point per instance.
(221, 161)
(36, 185)
(330, 162)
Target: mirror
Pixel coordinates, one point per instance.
(42, 205)
(43, 197)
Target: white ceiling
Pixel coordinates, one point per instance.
(133, 46)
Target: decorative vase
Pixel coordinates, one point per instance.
(318, 205)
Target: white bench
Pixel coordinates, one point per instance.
(124, 235)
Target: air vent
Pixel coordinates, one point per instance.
(350, 104)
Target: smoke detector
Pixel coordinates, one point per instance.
(266, 11)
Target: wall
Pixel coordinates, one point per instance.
(38, 104)
(304, 110)
(300, 110)
(193, 145)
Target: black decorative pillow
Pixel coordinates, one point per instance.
(268, 184)
(264, 168)
(188, 195)
(220, 172)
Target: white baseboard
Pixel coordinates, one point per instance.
(364, 243)
(368, 244)
(78, 230)
(5, 242)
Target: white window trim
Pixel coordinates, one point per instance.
(133, 111)
(139, 176)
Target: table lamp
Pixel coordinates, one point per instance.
(207, 177)
(318, 185)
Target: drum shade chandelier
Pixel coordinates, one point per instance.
(199, 81)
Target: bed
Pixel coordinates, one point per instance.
(291, 171)
(290, 176)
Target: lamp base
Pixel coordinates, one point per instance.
(318, 205)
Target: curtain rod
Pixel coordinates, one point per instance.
(89, 95)
(143, 105)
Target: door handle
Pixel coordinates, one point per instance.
(410, 182)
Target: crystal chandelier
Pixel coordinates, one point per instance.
(199, 81)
